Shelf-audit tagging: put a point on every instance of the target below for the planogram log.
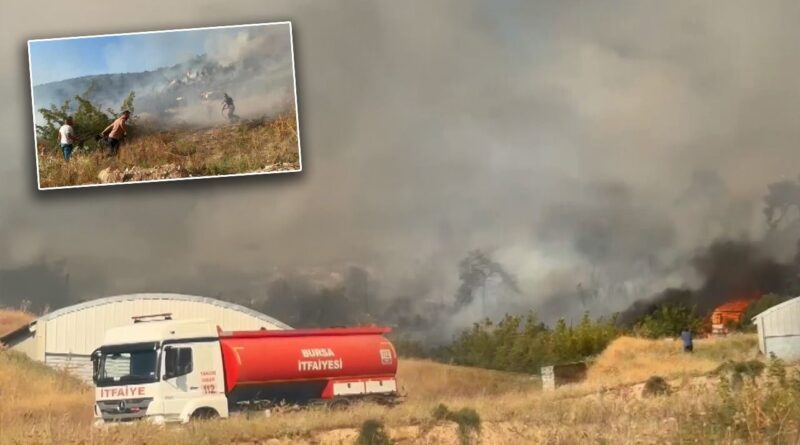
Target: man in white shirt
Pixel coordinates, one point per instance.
(67, 137)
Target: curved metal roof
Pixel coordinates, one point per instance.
(777, 307)
(160, 296)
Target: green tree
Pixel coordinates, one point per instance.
(668, 320)
(526, 345)
(89, 119)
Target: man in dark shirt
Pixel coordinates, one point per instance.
(686, 337)
(227, 104)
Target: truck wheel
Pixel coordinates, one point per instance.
(204, 414)
(339, 404)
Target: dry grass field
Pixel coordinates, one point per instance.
(630, 359)
(11, 319)
(44, 406)
(255, 145)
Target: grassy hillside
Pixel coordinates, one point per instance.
(512, 409)
(256, 145)
(628, 359)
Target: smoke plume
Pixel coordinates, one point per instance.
(592, 149)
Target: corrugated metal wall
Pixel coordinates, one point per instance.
(79, 365)
(787, 348)
(81, 331)
(779, 330)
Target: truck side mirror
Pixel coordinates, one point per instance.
(96, 354)
(170, 362)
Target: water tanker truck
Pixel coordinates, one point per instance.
(174, 371)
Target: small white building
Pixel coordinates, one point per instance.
(779, 330)
(66, 338)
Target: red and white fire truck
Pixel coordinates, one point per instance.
(169, 370)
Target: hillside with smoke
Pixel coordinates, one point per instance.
(598, 154)
(252, 64)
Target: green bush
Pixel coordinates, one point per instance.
(525, 345)
(668, 320)
(753, 413)
(655, 386)
(440, 412)
(89, 119)
(373, 432)
(467, 419)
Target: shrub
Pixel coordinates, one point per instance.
(754, 413)
(440, 412)
(735, 372)
(467, 419)
(655, 386)
(776, 370)
(525, 344)
(668, 320)
(373, 432)
(90, 120)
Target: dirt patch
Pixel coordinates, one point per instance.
(286, 166)
(445, 433)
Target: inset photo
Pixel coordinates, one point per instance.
(164, 105)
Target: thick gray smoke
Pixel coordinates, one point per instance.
(591, 148)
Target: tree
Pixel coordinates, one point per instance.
(668, 320)
(474, 271)
(89, 119)
(525, 345)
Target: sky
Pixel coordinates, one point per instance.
(59, 59)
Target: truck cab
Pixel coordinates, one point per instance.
(162, 371)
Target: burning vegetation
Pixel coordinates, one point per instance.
(734, 274)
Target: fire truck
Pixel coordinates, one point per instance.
(165, 370)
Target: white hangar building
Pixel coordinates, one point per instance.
(779, 330)
(66, 338)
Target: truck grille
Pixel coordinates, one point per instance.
(123, 410)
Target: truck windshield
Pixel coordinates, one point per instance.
(126, 364)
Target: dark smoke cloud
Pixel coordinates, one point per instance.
(35, 287)
(564, 138)
(730, 270)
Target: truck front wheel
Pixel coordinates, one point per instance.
(204, 414)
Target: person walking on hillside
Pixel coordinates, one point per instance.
(227, 104)
(116, 131)
(686, 337)
(66, 136)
